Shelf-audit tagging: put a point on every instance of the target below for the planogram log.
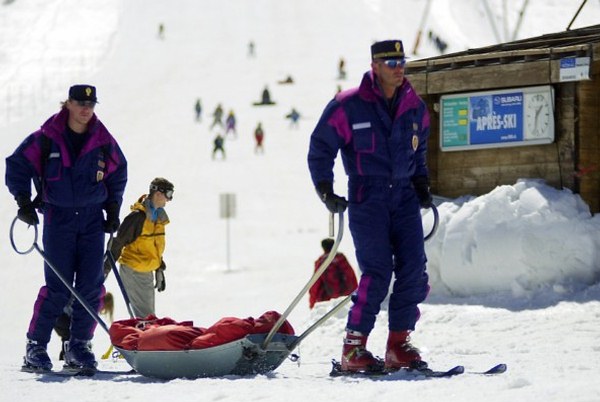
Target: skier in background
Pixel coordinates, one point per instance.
(198, 109)
(294, 116)
(259, 136)
(218, 146)
(230, 124)
(381, 129)
(217, 116)
(266, 96)
(342, 69)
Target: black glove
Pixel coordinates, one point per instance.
(333, 202)
(421, 185)
(159, 276)
(112, 222)
(27, 212)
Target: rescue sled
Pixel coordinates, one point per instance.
(244, 356)
(256, 353)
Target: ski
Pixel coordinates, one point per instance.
(497, 369)
(77, 372)
(423, 371)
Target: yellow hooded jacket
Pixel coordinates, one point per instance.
(140, 243)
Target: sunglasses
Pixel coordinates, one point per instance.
(168, 193)
(90, 104)
(394, 63)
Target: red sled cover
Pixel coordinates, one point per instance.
(152, 333)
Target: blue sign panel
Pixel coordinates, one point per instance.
(491, 119)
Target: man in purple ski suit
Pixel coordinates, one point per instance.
(79, 171)
(381, 129)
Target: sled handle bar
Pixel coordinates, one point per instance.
(69, 286)
(310, 282)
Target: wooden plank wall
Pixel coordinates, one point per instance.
(588, 145)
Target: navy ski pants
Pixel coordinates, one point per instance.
(73, 241)
(386, 226)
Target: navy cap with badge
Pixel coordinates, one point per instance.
(83, 93)
(387, 49)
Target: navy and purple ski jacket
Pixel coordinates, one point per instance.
(93, 178)
(372, 143)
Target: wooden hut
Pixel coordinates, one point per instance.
(486, 106)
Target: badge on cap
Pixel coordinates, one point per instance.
(88, 91)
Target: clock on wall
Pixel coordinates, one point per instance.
(538, 115)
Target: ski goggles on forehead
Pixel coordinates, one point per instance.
(167, 193)
(393, 63)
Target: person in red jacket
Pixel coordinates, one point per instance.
(337, 280)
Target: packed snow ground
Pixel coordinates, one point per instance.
(514, 273)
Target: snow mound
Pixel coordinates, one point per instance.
(516, 238)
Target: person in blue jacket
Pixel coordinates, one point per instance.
(381, 129)
(79, 171)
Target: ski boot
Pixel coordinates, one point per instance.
(36, 357)
(79, 355)
(355, 356)
(400, 353)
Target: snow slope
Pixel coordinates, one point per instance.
(514, 273)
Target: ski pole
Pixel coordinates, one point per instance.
(113, 264)
(310, 282)
(69, 286)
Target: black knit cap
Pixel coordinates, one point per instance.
(327, 244)
(83, 93)
(387, 49)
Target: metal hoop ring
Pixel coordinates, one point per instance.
(436, 221)
(12, 240)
